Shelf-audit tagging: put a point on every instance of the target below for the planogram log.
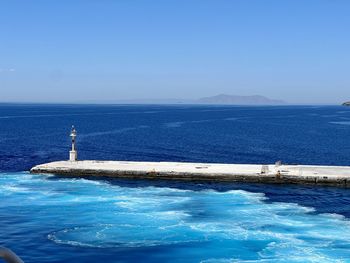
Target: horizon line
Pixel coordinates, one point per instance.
(165, 103)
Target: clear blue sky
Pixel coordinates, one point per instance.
(70, 50)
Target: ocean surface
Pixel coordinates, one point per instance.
(59, 219)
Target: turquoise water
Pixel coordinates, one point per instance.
(124, 221)
(56, 219)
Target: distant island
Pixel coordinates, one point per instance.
(240, 100)
(346, 103)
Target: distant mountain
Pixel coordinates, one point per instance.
(240, 100)
(219, 99)
(346, 103)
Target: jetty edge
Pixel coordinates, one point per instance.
(215, 172)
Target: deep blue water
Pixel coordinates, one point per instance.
(57, 219)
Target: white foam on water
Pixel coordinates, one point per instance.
(329, 116)
(201, 121)
(9, 189)
(170, 214)
(244, 196)
(176, 124)
(152, 112)
(94, 182)
(282, 225)
(336, 216)
(124, 235)
(340, 122)
(116, 131)
(219, 223)
(141, 203)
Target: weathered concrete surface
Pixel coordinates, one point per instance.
(331, 175)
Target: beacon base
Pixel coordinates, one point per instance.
(73, 156)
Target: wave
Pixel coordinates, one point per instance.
(288, 230)
(8, 189)
(340, 122)
(121, 130)
(178, 124)
(123, 235)
(98, 214)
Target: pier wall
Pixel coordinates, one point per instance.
(283, 174)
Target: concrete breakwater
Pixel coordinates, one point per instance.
(296, 174)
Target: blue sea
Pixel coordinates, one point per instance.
(45, 218)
